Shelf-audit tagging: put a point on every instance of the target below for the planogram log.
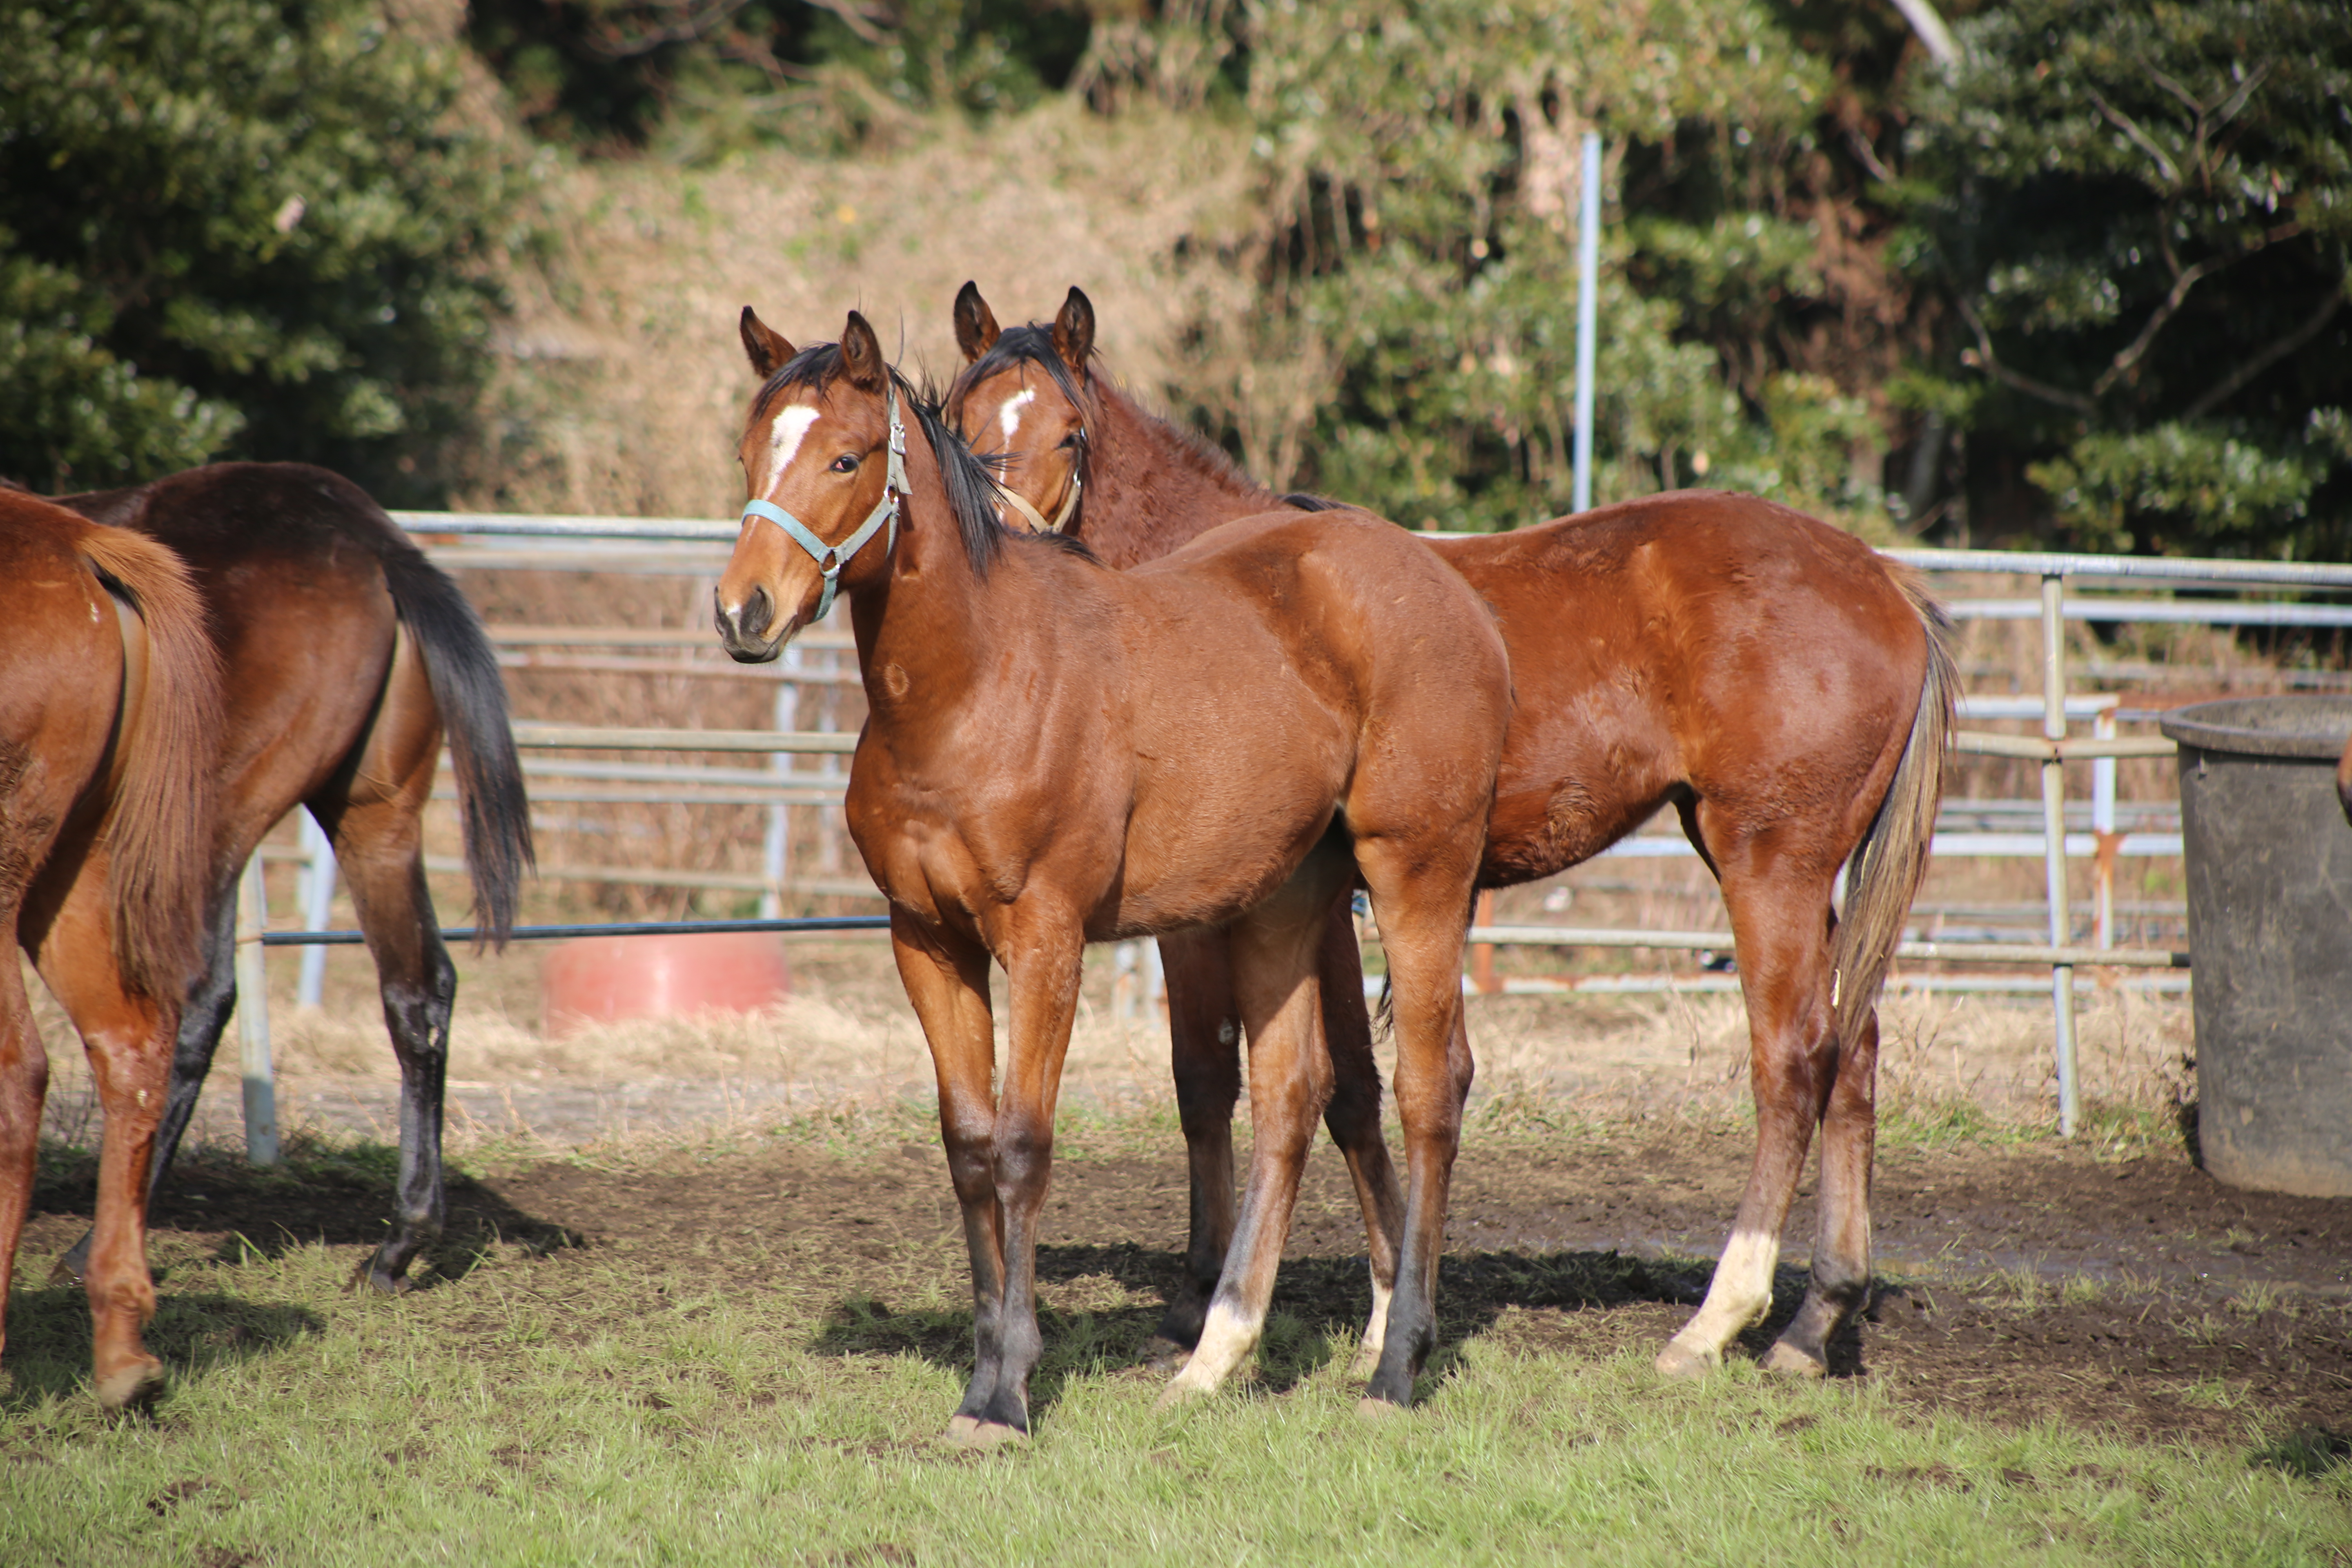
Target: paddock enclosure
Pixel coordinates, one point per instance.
(722, 1252)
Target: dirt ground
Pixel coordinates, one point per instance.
(2025, 1282)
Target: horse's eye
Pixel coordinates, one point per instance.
(1070, 442)
(845, 464)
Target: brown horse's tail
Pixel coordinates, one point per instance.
(159, 829)
(1887, 867)
(462, 669)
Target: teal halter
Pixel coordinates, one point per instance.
(830, 558)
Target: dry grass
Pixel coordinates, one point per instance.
(624, 383)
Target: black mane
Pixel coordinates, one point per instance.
(969, 479)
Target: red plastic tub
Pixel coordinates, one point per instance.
(599, 979)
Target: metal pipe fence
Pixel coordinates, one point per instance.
(691, 546)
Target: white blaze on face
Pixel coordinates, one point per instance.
(1008, 418)
(789, 429)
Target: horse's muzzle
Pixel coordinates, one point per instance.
(744, 633)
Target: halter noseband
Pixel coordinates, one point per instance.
(830, 558)
(1069, 507)
(1020, 503)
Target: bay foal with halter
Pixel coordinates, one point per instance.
(1050, 760)
(1785, 687)
(348, 657)
(108, 698)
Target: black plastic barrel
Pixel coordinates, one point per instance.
(2269, 935)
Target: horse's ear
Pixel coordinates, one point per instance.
(975, 323)
(861, 355)
(1074, 331)
(768, 351)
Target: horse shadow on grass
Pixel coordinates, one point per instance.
(319, 1194)
(1317, 1314)
(50, 1345)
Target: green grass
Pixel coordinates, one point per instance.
(581, 1406)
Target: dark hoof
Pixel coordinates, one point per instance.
(1181, 1325)
(70, 1269)
(371, 1275)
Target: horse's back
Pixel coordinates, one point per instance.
(1700, 641)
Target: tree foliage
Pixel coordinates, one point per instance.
(1423, 164)
(2141, 215)
(237, 227)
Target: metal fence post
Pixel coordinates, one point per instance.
(1587, 306)
(253, 1019)
(775, 861)
(2053, 829)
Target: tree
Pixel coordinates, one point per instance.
(1421, 163)
(238, 227)
(2140, 214)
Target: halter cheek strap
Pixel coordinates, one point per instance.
(1020, 503)
(830, 558)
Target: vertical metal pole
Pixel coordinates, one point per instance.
(253, 1019)
(1587, 310)
(775, 855)
(2053, 829)
(318, 905)
(2103, 828)
(828, 767)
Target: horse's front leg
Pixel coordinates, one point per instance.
(1043, 953)
(1204, 1048)
(947, 984)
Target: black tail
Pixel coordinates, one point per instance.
(463, 672)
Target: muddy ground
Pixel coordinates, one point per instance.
(2022, 1282)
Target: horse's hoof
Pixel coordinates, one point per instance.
(1179, 1393)
(971, 1432)
(63, 1272)
(1161, 1353)
(1372, 1407)
(1680, 1361)
(368, 1276)
(132, 1387)
(1784, 1357)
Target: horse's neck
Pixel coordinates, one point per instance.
(1154, 490)
(927, 624)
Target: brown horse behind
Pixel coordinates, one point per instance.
(109, 699)
(347, 656)
(1049, 759)
(1783, 687)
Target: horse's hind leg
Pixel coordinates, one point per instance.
(1275, 948)
(378, 848)
(24, 1085)
(1424, 910)
(1205, 1057)
(1354, 1118)
(1781, 925)
(1841, 1272)
(373, 810)
(202, 1022)
(129, 1040)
